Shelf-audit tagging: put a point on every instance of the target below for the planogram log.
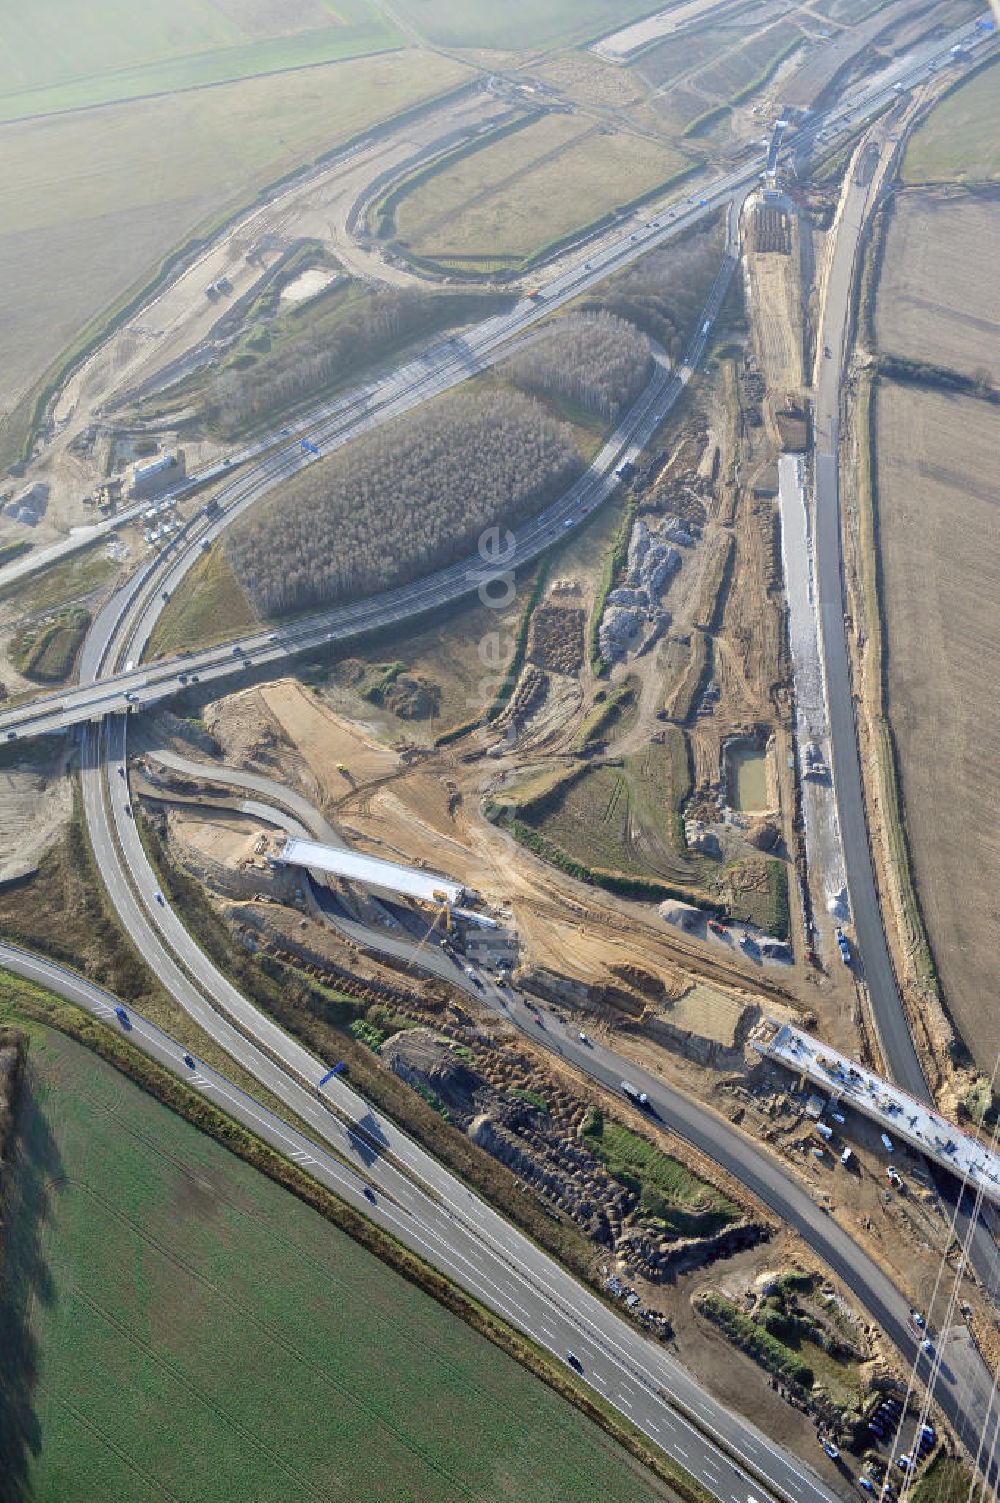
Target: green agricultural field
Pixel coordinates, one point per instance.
(141, 177)
(960, 139)
(497, 206)
(196, 1333)
(59, 55)
(517, 24)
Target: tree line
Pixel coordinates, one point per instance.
(596, 360)
(665, 290)
(290, 360)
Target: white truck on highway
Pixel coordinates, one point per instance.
(634, 1094)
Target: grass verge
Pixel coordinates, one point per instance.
(63, 912)
(947, 1480)
(10, 551)
(47, 653)
(751, 1337)
(645, 889)
(208, 606)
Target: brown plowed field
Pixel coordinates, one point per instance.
(937, 299)
(938, 516)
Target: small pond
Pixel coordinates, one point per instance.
(746, 777)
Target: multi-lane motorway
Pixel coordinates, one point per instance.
(128, 618)
(963, 1389)
(421, 1203)
(265, 464)
(430, 1210)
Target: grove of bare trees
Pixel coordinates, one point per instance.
(403, 500)
(303, 353)
(596, 360)
(664, 291)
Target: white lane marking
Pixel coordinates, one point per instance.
(681, 1451)
(623, 1401)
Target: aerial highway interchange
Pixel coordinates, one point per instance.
(356, 1151)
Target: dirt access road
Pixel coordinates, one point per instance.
(178, 323)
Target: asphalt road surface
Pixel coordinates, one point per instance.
(444, 1221)
(890, 1016)
(963, 1388)
(434, 370)
(428, 1209)
(872, 946)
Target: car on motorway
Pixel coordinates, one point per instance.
(831, 1450)
(584, 1039)
(123, 1019)
(272, 636)
(927, 1346)
(369, 1195)
(128, 809)
(574, 1362)
(189, 1061)
(568, 522)
(158, 896)
(11, 735)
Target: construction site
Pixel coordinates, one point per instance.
(519, 867)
